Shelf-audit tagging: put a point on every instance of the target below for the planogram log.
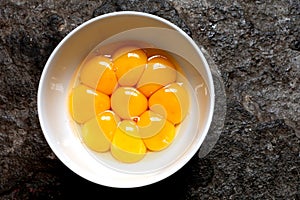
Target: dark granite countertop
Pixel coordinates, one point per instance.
(256, 48)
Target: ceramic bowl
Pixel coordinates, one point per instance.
(54, 89)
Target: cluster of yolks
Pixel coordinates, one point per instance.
(129, 102)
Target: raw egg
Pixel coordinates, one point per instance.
(129, 64)
(154, 52)
(86, 103)
(157, 132)
(98, 73)
(126, 145)
(158, 73)
(171, 102)
(98, 132)
(128, 102)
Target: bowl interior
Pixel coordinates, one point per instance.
(60, 131)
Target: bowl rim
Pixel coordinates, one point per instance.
(184, 160)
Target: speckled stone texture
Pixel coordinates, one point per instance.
(256, 46)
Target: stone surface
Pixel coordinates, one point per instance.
(256, 46)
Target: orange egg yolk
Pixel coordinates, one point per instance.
(171, 102)
(157, 132)
(154, 52)
(86, 103)
(98, 132)
(128, 102)
(129, 64)
(98, 73)
(158, 73)
(126, 145)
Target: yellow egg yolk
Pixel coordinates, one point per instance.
(86, 103)
(98, 73)
(158, 73)
(157, 132)
(129, 64)
(98, 132)
(126, 145)
(171, 102)
(128, 102)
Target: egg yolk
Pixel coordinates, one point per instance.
(158, 73)
(86, 103)
(154, 52)
(171, 102)
(97, 133)
(157, 132)
(98, 73)
(126, 145)
(128, 102)
(129, 64)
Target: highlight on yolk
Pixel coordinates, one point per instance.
(129, 64)
(128, 102)
(158, 73)
(97, 133)
(126, 145)
(157, 132)
(171, 102)
(86, 103)
(98, 73)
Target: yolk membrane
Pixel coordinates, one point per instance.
(98, 132)
(129, 64)
(126, 145)
(98, 73)
(157, 132)
(158, 73)
(86, 103)
(128, 102)
(171, 102)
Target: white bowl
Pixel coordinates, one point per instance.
(54, 87)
